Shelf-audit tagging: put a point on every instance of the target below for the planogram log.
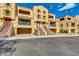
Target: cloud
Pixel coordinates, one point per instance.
(68, 11)
(59, 5)
(68, 6)
(51, 6)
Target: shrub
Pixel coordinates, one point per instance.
(36, 32)
(63, 31)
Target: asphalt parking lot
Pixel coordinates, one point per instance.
(56, 46)
(60, 46)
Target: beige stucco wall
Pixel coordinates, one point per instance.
(65, 21)
(23, 16)
(33, 17)
(11, 8)
(1, 22)
(35, 13)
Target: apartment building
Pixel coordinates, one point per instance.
(53, 23)
(20, 20)
(40, 18)
(68, 24)
(76, 18)
(17, 20)
(23, 21)
(7, 16)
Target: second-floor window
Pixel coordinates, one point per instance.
(44, 12)
(24, 12)
(39, 16)
(8, 4)
(61, 25)
(51, 17)
(7, 12)
(39, 11)
(72, 24)
(67, 24)
(24, 22)
(68, 18)
(44, 17)
(61, 19)
(53, 24)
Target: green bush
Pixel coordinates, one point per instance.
(36, 32)
(63, 31)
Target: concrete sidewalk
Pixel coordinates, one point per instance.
(31, 37)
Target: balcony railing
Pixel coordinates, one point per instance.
(7, 12)
(24, 23)
(72, 25)
(53, 25)
(24, 12)
(24, 15)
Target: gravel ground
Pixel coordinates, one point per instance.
(60, 46)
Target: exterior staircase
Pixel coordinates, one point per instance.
(40, 30)
(5, 28)
(49, 32)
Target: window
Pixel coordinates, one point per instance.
(44, 12)
(73, 24)
(50, 16)
(24, 22)
(39, 16)
(8, 4)
(39, 11)
(61, 25)
(67, 24)
(24, 12)
(7, 12)
(44, 17)
(61, 19)
(53, 24)
(69, 18)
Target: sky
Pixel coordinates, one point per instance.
(59, 9)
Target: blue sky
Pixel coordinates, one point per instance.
(59, 9)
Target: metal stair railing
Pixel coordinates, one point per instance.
(40, 30)
(1, 27)
(10, 29)
(49, 32)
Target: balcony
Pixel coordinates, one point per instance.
(53, 25)
(68, 18)
(24, 22)
(51, 17)
(72, 25)
(24, 14)
(7, 12)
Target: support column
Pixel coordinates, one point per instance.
(15, 31)
(69, 30)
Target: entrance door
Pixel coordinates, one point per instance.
(37, 24)
(7, 20)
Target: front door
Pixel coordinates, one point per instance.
(7, 20)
